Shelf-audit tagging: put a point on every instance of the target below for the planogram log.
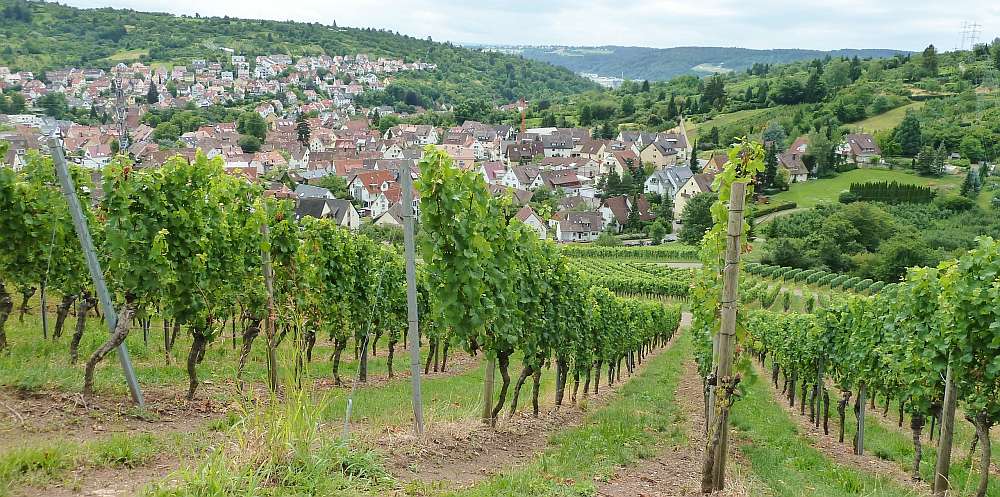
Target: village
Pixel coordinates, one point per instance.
(308, 140)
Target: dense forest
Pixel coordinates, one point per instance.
(39, 36)
(656, 64)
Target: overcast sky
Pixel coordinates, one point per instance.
(817, 24)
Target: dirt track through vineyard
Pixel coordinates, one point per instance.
(42, 418)
(676, 470)
(463, 454)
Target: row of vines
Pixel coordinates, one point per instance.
(634, 278)
(501, 290)
(197, 248)
(673, 252)
(899, 343)
(817, 277)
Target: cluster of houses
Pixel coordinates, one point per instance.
(343, 142)
(309, 83)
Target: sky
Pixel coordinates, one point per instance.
(762, 24)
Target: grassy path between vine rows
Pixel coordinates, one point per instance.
(787, 458)
(455, 460)
(676, 470)
(637, 422)
(887, 441)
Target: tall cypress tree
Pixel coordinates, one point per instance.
(907, 135)
(770, 165)
(937, 169)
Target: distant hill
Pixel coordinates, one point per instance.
(39, 35)
(664, 63)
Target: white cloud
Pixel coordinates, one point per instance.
(819, 24)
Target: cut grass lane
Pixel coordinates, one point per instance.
(784, 460)
(641, 417)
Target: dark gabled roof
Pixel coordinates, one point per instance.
(520, 197)
(309, 191)
(311, 207)
(573, 222)
(339, 209)
(704, 181)
(863, 143)
(793, 162)
(675, 176)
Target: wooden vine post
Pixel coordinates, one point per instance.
(721, 248)
(488, 381)
(943, 464)
(727, 334)
(859, 436)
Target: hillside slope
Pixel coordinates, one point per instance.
(38, 36)
(657, 64)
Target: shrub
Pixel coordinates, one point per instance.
(763, 211)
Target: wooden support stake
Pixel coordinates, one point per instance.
(726, 337)
(943, 464)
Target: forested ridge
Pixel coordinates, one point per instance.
(666, 63)
(40, 36)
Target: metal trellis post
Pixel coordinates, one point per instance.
(87, 244)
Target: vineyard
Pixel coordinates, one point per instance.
(634, 278)
(659, 253)
(929, 343)
(269, 348)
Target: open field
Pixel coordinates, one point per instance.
(886, 120)
(128, 55)
(817, 191)
(721, 120)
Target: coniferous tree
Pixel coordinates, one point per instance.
(302, 130)
(969, 188)
(633, 222)
(925, 161)
(613, 185)
(907, 135)
(672, 107)
(153, 95)
(937, 169)
(770, 165)
(929, 61)
(606, 132)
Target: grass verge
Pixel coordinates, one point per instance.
(785, 461)
(641, 417)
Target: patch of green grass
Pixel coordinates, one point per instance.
(894, 444)
(446, 398)
(886, 120)
(785, 461)
(128, 55)
(126, 450)
(813, 192)
(277, 449)
(641, 418)
(721, 120)
(33, 364)
(35, 466)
